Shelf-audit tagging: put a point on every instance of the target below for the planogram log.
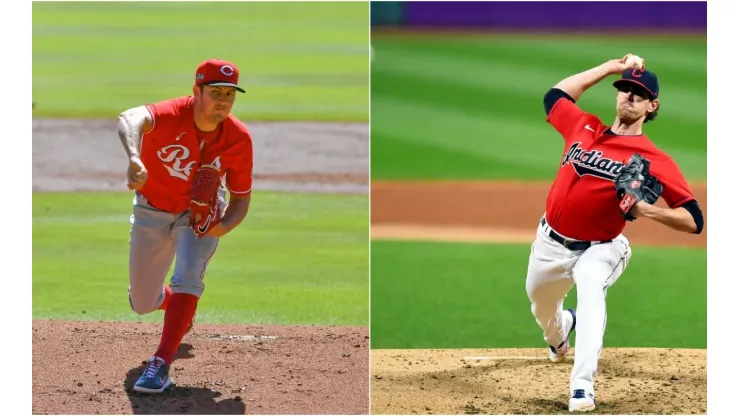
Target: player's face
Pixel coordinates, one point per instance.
(216, 102)
(633, 102)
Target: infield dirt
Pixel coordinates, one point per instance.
(524, 381)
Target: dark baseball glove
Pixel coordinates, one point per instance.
(635, 183)
(204, 209)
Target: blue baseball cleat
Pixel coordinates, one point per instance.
(155, 378)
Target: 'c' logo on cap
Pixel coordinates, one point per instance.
(637, 72)
(227, 70)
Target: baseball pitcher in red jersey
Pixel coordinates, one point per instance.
(184, 153)
(608, 174)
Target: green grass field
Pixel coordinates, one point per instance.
(431, 295)
(474, 104)
(296, 259)
(305, 61)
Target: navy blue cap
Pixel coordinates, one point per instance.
(644, 78)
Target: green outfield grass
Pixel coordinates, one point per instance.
(432, 295)
(298, 60)
(474, 104)
(296, 259)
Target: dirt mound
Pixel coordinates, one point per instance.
(524, 381)
(490, 211)
(90, 368)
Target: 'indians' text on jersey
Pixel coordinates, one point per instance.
(583, 203)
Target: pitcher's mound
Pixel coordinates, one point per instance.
(90, 367)
(524, 381)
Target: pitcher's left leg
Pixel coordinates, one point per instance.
(193, 256)
(598, 269)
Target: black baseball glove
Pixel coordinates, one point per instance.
(635, 183)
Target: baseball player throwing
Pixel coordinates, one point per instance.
(181, 151)
(608, 174)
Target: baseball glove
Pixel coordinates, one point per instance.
(635, 183)
(204, 210)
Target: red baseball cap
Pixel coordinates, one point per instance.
(218, 72)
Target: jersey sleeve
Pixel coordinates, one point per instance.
(676, 191)
(163, 113)
(239, 176)
(566, 117)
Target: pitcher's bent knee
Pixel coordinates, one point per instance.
(143, 306)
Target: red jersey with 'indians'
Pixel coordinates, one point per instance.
(583, 202)
(174, 148)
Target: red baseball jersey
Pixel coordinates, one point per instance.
(583, 203)
(173, 149)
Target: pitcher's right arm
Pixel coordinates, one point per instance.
(132, 124)
(576, 85)
(560, 101)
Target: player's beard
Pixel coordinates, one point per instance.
(628, 114)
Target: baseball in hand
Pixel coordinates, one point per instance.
(634, 61)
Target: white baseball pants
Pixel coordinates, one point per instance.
(552, 271)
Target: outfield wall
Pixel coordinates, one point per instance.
(544, 15)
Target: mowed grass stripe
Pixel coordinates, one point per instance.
(552, 61)
(493, 75)
(528, 109)
(513, 148)
(685, 60)
(400, 158)
(565, 52)
(492, 137)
